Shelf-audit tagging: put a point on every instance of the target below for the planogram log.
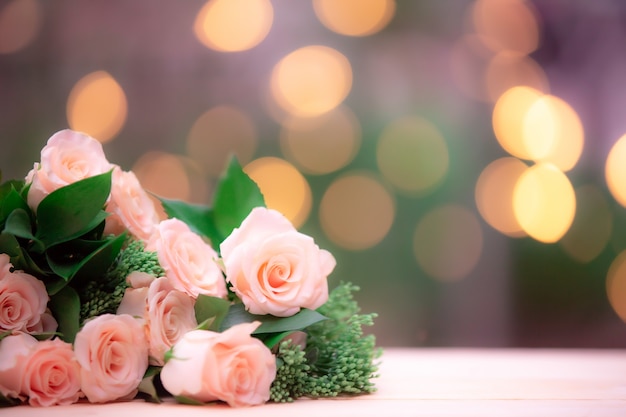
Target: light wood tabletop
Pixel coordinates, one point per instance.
(437, 382)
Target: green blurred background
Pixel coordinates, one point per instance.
(369, 123)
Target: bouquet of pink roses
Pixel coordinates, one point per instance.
(101, 300)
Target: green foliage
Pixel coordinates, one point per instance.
(105, 295)
(235, 196)
(338, 360)
(271, 324)
(210, 312)
(65, 306)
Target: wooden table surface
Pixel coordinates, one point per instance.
(437, 382)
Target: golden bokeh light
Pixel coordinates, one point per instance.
(311, 81)
(544, 202)
(591, 230)
(219, 133)
(509, 118)
(616, 285)
(412, 154)
(615, 171)
(233, 25)
(97, 106)
(494, 195)
(553, 132)
(507, 24)
(448, 242)
(509, 69)
(354, 17)
(322, 144)
(163, 174)
(20, 22)
(356, 211)
(283, 186)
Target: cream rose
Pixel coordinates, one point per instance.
(51, 374)
(273, 268)
(231, 366)
(188, 261)
(23, 299)
(68, 157)
(113, 354)
(130, 206)
(170, 314)
(14, 351)
(167, 314)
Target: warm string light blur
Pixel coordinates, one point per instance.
(494, 195)
(20, 22)
(233, 25)
(448, 242)
(356, 211)
(615, 170)
(354, 17)
(542, 128)
(322, 144)
(217, 134)
(413, 155)
(97, 106)
(283, 187)
(592, 227)
(311, 81)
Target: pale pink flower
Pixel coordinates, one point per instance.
(51, 374)
(166, 312)
(112, 351)
(14, 351)
(130, 206)
(68, 157)
(23, 299)
(273, 268)
(189, 262)
(231, 366)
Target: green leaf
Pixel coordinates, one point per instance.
(65, 307)
(199, 218)
(11, 200)
(45, 335)
(97, 259)
(20, 258)
(73, 210)
(5, 334)
(236, 195)
(147, 387)
(210, 311)
(271, 324)
(272, 339)
(18, 224)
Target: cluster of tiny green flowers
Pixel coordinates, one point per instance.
(291, 373)
(338, 360)
(105, 295)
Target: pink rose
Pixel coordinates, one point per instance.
(23, 299)
(231, 366)
(68, 157)
(130, 206)
(188, 261)
(52, 374)
(170, 315)
(47, 324)
(14, 351)
(273, 268)
(113, 354)
(167, 313)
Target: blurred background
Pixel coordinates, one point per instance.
(465, 161)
